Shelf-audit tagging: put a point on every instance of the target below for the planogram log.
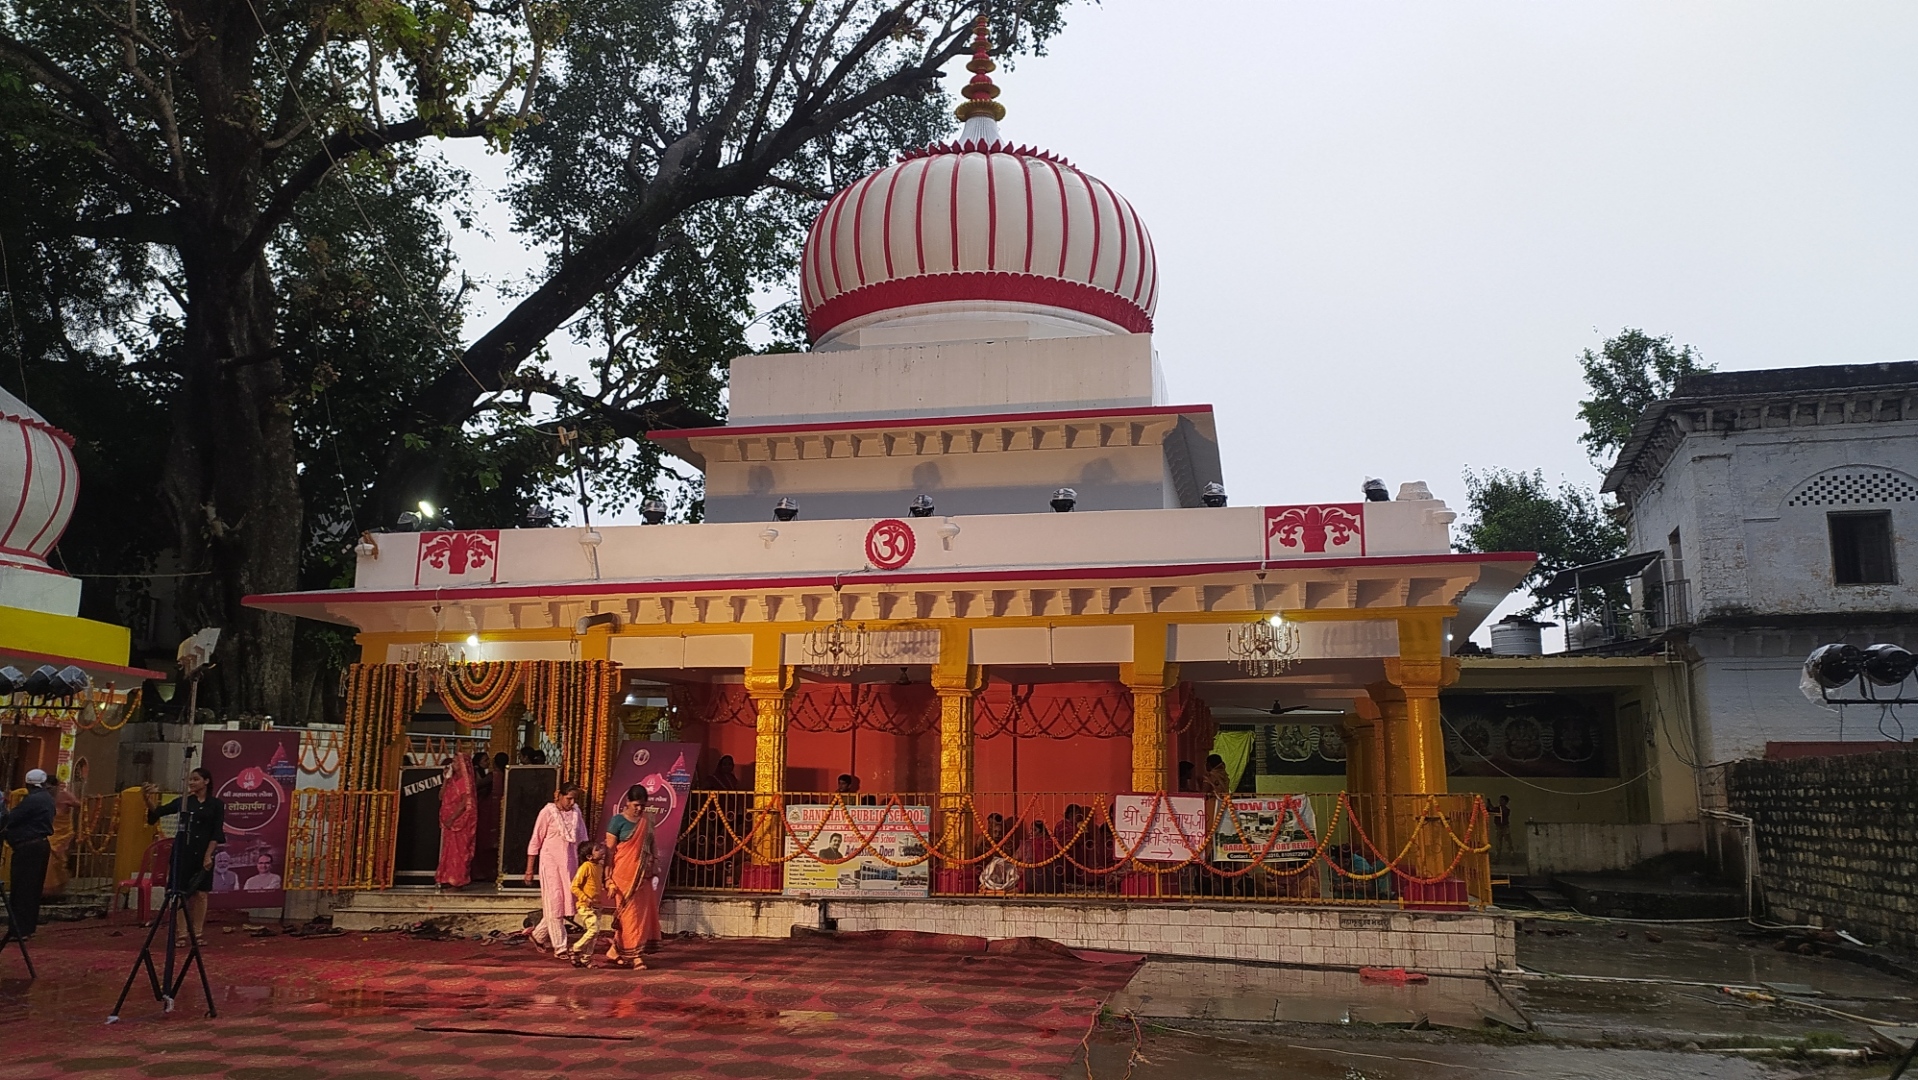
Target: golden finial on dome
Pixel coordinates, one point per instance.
(980, 91)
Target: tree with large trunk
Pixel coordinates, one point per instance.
(210, 148)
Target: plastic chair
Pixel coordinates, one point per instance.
(154, 868)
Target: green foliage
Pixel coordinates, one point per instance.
(1510, 510)
(1626, 374)
(183, 183)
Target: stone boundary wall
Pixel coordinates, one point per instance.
(1835, 841)
(1438, 943)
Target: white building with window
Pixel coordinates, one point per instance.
(1785, 503)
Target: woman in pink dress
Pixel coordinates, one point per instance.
(459, 823)
(554, 853)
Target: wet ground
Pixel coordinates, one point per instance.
(1590, 1003)
(1595, 999)
(379, 1006)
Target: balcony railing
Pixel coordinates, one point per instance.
(1426, 851)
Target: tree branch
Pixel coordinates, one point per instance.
(117, 146)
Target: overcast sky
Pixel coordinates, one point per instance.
(1386, 230)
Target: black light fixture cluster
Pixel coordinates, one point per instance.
(786, 509)
(1872, 668)
(426, 518)
(1374, 489)
(1064, 499)
(45, 681)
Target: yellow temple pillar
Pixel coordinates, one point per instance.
(768, 683)
(956, 683)
(1413, 739)
(1148, 677)
(1365, 767)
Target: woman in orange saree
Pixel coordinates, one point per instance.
(634, 888)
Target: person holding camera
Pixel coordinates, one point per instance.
(202, 830)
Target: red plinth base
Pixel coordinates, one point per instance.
(1447, 895)
(963, 881)
(760, 878)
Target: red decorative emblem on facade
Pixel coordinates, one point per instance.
(466, 557)
(1316, 529)
(890, 544)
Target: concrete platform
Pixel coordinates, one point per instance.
(1437, 943)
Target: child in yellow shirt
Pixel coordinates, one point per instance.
(587, 885)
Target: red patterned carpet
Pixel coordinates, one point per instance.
(386, 1005)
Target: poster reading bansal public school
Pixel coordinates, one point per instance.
(842, 859)
(254, 773)
(1163, 828)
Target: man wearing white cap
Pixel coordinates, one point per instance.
(27, 828)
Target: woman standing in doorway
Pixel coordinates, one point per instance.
(554, 853)
(635, 860)
(459, 821)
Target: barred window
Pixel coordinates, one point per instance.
(1856, 487)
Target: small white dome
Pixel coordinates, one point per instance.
(978, 225)
(39, 483)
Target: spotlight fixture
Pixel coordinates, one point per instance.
(653, 511)
(40, 683)
(1214, 494)
(786, 509)
(539, 517)
(11, 679)
(69, 681)
(1064, 499)
(1887, 664)
(473, 641)
(1375, 490)
(921, 506)
(1832, 666)
(410, 521)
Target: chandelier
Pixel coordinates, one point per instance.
(435, 663)
(1264, 648)
(837, 649)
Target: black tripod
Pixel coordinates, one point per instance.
(13, 934)
(171, 916)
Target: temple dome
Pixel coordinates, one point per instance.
(978, 226)
(38, 484)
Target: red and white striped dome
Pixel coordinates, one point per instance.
(978, 225)
(38, 484)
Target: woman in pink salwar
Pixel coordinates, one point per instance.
(459, 824)
(554, 853)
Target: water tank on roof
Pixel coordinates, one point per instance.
(1516, 635)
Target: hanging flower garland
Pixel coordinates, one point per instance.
(476, 693)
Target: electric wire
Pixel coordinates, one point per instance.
(1540, 787)
(13, 317)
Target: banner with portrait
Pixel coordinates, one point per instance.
(844, 860)
(254, 774)
(1286, 822)
(1530, 735)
